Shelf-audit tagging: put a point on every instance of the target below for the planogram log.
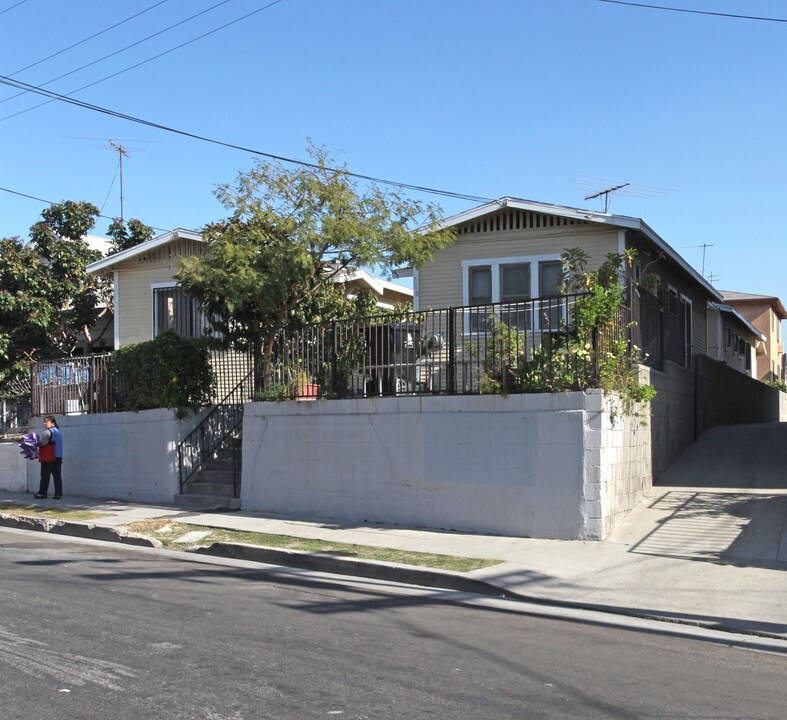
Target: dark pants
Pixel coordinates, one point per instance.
(47, 469)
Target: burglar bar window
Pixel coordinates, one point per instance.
(174, 310)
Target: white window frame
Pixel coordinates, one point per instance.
(494, 264)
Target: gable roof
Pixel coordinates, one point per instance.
(741, 298)
(107, 263)
(734, 312)
(376, 284)
(621, 221)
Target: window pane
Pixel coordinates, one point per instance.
(480, 285)
(514, 282)
(549, 280)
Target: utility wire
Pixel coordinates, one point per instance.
(51, 202)
(90, 37)
(695, 12)
(253, 151)
(21, 2)
(143, 62)
(117, 52)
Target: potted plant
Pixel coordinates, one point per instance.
(304, 388)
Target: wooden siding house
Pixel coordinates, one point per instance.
(732, 339)
(148, 300)
(509, 250)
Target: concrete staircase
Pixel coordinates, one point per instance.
(213, 486)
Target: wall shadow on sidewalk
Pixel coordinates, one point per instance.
(731, 528)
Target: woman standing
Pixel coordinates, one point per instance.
(50, 455)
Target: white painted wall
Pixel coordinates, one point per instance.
(122, 456)
(523, 465)
(13, 470)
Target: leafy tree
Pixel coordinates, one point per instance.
(27, 315)
(288, 234)
(128, 234)
(46, 297)
(82, 299)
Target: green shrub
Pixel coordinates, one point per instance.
(168, 372)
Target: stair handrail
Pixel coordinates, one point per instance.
(233, 401)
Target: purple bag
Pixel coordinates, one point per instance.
(29, 446)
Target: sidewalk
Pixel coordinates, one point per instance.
(703, 556)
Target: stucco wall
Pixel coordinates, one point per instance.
(514, 465)
(13, 468)
(122, 456)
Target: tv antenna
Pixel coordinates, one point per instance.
(606, 193)
(604, 187)
(704, 247)
(122, 151)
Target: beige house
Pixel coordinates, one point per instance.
(509, 250)
(149, 302)
(764, 312)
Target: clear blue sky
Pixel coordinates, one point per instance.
(489, 98)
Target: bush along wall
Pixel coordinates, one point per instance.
(169, 371)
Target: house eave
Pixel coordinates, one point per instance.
(730, 310)
(621, 221)
(108, 263)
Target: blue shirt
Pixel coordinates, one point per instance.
(57, 439)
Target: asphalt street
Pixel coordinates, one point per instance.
(90, 630)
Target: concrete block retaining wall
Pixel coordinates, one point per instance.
(13, 468)
(523, 465)
(122, 456)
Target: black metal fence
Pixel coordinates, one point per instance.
(526, 345)
(530, 345)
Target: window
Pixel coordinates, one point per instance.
(727, 337)
(550, 274)
(480, 285)
(174, 310)
(515, 280)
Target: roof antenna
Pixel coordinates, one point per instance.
(606, 193)
(121, 152)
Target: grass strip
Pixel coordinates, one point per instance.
(21, 510)
(169, 533)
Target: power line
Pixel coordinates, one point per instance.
(695, 12)
(90, 37)
(143, 62)
(21, 2)
(117, 52)
(253, 151)
(52, 202)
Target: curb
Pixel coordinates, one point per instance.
(371, 569)
(73, 529)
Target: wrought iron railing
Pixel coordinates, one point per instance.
(215, 431)
(459, 350)
(529, 346)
